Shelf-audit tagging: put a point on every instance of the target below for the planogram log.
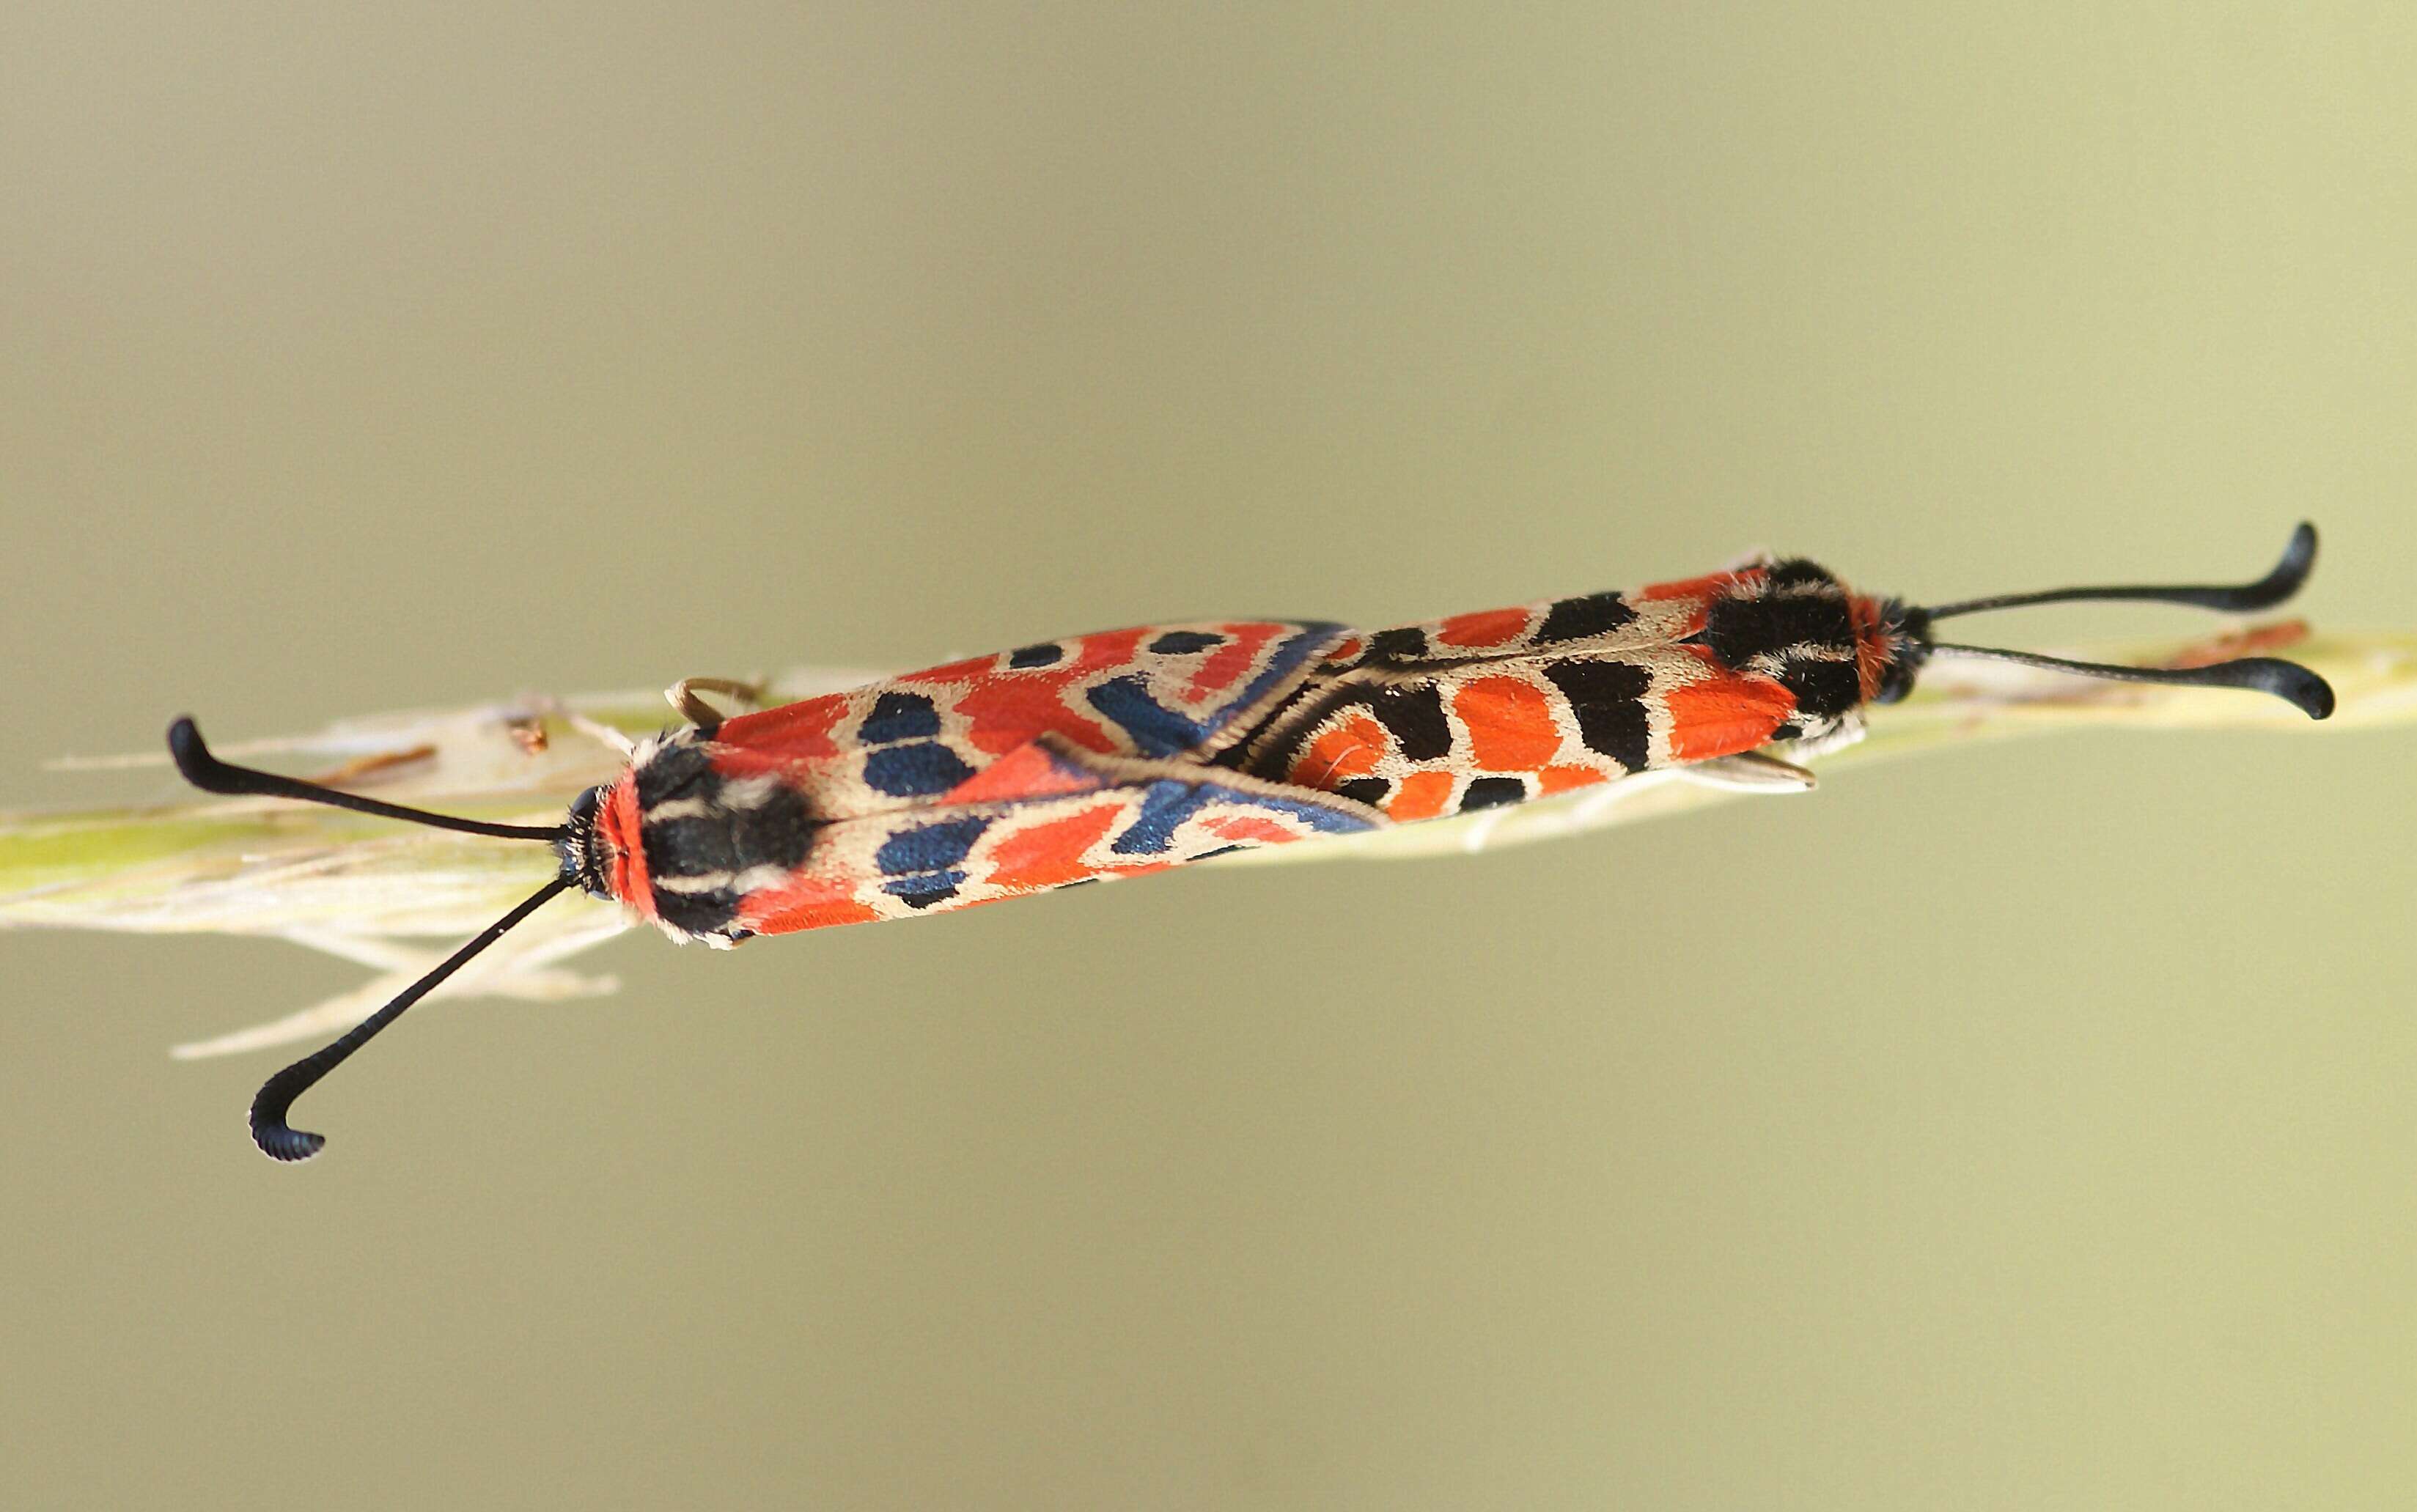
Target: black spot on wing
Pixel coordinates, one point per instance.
(1406, 643)
(1608, 699)
(1580, 619)
(1184, 643)
(929, 847)
(1494, 792)
(1413, 715)
(1367, 790)
(900, 717)
(915, 771)
(1046, 654)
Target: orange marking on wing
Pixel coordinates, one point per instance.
(1346, 649)
(1050, 855)
(1230, 661)
(1421, 795)
(1725, 714)
(1563, 779)
(1510, 724)
(618, 823)
(1486, 627)
(1349, 749)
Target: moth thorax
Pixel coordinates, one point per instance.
(700, 838)
(1796, 625)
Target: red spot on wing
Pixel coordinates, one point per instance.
(1006, 715)
(1009, 709)
(1027, 772)
(1509, 723)
(1563, 779)
(1487, 626)
(1349, 647)
(1225, 665)
(1050, 855)
(1252, 827)
(1421, 795)
(1724, 714)
(799, 732)
(806, 903)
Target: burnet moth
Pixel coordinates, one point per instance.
(1132, 750)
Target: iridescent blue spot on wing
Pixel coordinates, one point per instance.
(1183, 643)
(915, 771)
(929, 847)
(900, 717)
(1157, 730)
(1167, 804)
(1323, 818)
(1305, 644)
(924, 891)
(1154, 729)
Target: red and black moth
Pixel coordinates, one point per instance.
(1132, 750)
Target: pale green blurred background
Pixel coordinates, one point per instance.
(2020, 1128)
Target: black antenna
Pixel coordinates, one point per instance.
(280, 1141)
(2286, 680)
(277, 1139)
(211, 774)
(2247, 597)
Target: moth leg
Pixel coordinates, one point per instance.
(1750, 771)
(1850, 731)
(697, 711)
